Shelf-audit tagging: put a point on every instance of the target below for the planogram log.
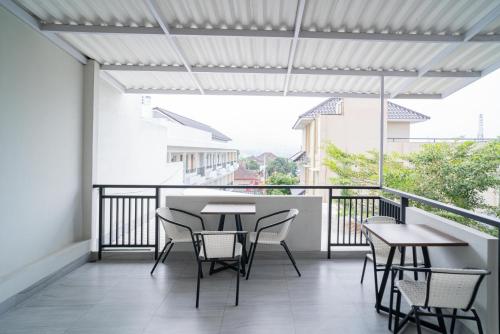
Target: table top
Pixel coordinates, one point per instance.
(412, 235)
(229, 208)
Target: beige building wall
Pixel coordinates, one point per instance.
(356, 130)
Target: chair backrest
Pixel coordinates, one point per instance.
(285, 227)
(168, 222)
(218, 244)
(380, 248)
(453, 288)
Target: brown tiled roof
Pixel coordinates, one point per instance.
(245, 174)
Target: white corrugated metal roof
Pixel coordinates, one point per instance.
(422, 40)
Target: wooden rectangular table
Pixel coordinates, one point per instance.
(236, 209)
(408, 235)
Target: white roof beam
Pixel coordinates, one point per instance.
(155, 10)
(334, 35)
(295, 40)
(469, 35)
(24, 16)
(294, 71)
(273, 93)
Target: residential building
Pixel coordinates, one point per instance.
(350, 124)
(205, 153)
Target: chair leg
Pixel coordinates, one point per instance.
(159, 257)
(290, 256)
(375, 276)
(251, 260)
(391, 303)
(198, 285)
(364, 268)
(417, 320)
(238, 283)
(196, 252)
(398, 310)
(440, 318)
(453, 320)
(478, 321)
(168, 252)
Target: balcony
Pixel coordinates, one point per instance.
(117, 293)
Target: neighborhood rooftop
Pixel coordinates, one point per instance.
(395, 112)
(216, 135)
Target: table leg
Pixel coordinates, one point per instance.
(241, 239)
(219, 228)
(427, 259)
(387, 270)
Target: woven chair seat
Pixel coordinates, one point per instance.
(238, 248)
(413, 291)
(269, 238)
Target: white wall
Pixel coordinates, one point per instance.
(41, 149)
(305, 233)
(131, 149)
(482, 252)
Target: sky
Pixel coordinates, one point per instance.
(258, 124)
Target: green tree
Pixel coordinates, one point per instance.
(454, 173)
(282, 166)
(251, 164)
(278, 179)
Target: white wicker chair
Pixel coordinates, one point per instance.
(443, 289)
(219, 246)
(262, 236)
(176, 232)
(380, 250)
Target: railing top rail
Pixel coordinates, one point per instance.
(181, 186)
(447, 207)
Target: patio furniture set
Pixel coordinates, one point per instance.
(441, 290)
(226, 248)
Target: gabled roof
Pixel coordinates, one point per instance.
(245, 174)
(298, 156)
(216, 135)
(395, 112)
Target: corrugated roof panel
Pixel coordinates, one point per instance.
(96, 12)
(241, 82)
(235, 51)
(344, 84)
(473, 56)
(321, 53)
(435, 16)
(155, 80)
(125, 49)
(270, 14)
(432, 85)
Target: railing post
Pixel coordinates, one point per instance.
(101, 204)
(157, 223)
(329, 223)
(404, 205)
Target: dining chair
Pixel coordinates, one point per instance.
(379, 253)
(176, 232)
(262, 235)
(453, 289)
(219, 246)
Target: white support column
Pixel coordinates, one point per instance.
(91, 80)
(382, 135)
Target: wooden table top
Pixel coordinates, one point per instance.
(229, 208)
(412, 235)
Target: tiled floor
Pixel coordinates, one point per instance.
(121, 297)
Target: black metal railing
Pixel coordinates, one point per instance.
(351, 211)
(118, 228)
